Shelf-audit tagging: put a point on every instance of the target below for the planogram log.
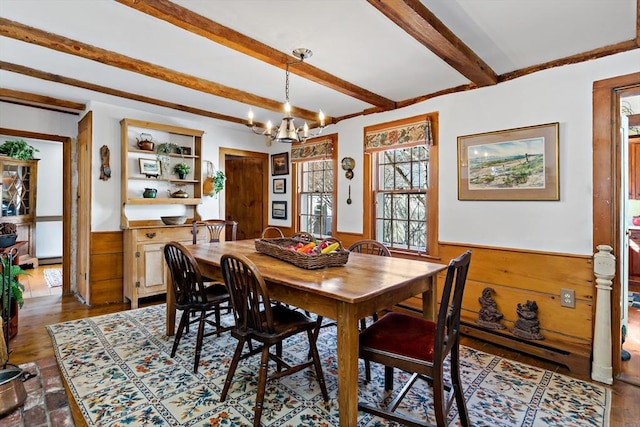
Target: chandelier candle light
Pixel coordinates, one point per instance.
(287, 132)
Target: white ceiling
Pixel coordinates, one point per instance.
(350, 39)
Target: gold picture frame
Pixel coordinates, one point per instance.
(512, 164)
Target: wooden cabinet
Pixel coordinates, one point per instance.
(145, 272)
(634, 260)
(19, 187)
(634, 168)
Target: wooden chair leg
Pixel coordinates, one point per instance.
(439, 398)
(217, 317)
(262, 385)
(199, 341)
(184, 320)
(458, 391)
(232, 369)
(388, 378)
(316, 362)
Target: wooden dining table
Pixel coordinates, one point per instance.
(364, 285)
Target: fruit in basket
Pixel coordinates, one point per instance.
(307, 248)
(332, 247)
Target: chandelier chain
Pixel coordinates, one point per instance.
(286, 84)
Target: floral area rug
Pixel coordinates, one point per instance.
(120, 373)
(53, 277)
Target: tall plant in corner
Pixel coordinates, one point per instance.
(18, 149)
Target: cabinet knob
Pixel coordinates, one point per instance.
(151, 235)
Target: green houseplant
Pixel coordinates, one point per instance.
(11, 299)
(218, 182)
(15, 288)
(181, 169)
(18, 149)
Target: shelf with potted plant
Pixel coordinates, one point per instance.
(150, 191)
(150, 152)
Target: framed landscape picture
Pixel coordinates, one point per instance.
(513, 164)
(280, 185)
(280, 164)
(279, 210)
(150, 167)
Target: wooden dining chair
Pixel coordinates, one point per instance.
(197, 301)
(215, 228)
(257, 320)
(370, 247)
(420, 346)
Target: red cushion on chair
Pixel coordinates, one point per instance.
(401, 334)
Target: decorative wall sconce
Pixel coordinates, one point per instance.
(348, 164)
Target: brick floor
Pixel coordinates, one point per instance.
(46, 403)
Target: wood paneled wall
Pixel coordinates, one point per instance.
(105, 278)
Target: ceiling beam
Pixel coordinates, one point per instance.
(198, 24)
(31, 98)
(31, 72)
(24, 33)
(418, 21)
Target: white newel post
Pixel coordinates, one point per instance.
(604, 268)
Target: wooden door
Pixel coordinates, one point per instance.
(634, 168)
(85, 130)
(246, 191)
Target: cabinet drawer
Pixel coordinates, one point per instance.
(168, 234)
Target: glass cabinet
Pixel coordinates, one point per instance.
(19, 185)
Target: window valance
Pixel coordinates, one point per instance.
(399, 134)
(318, 149)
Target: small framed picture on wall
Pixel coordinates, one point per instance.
(280, 164)
(279, 210)
(280, 186)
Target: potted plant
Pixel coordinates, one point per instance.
(181, 169)
(11, 299)
(18, 149)
(218, 182)
(214, 183)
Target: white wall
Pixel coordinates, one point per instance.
(557, 95)
(50, 189)
(48, 234)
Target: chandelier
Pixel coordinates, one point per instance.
(287, 131)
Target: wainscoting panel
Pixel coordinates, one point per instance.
(106, 268)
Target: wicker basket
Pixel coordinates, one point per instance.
(277, 248)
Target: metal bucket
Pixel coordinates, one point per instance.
(12, 392)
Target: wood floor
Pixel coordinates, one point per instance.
(33, 343)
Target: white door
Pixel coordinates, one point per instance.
(624, 230)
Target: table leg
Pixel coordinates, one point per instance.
(171, 312)
(429, 300)
(347, 365)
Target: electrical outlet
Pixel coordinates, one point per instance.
(568, 298)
